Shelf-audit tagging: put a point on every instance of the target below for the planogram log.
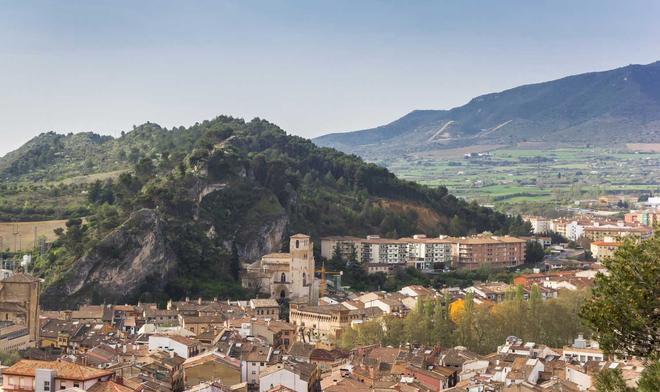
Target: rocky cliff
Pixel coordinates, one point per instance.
(119, 266)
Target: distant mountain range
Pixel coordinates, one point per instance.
(616, 106)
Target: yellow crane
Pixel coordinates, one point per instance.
(324, 283)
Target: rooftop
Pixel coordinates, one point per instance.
(66, 370)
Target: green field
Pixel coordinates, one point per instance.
(510, 176)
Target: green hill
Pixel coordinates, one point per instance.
(194, 202)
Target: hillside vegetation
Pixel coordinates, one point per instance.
(196, 201)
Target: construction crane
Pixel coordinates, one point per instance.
(324, 283)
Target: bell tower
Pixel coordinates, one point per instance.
(301, 249)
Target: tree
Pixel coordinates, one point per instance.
(145, 169)
(534, 252)
(650, 378)
(611, 380)
(622, 310)
(336, 253)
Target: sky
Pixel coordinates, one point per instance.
(312, 67)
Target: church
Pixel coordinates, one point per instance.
(286, 275)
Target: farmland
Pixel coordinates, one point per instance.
(18, 236)
(522, 176)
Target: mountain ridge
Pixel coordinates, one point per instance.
(619, 105)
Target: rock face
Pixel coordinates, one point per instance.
(269, 239)
(117, 269)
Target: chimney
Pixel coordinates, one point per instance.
(187, 299)
(199, 301)
(169, 304)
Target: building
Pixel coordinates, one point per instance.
(201, 324)
(540, 225)
(493, 291)
(598, 233)
(13, 336)
(285, 275)
(180, 345)
(487, 251)
(47, 376)
(19, 302)
(648, 217)
(163, 372)
(583, 350)
(423, 253)
(265, 308)
(327, 322)
(605, 248)
(419, 251)
(279, 334)
(297, 376)
(349, 247)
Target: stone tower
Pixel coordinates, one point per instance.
(19, 302)
(301, 249)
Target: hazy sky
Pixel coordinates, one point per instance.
(311, 67)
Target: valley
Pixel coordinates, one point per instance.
(526, 179)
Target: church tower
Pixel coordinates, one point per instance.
(301, 249)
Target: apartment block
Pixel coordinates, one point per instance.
(487, 251)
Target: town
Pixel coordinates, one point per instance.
(340, 196)
(305, 331)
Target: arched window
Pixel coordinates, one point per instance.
(283, 278)
(304, 279)
(297, 244)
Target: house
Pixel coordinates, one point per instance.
(163, 372)
(297, 376)
(328, 359)
(583, 350)
(211, 366)
(416, 291)
(279, 334)
(180, 345)
(201, 324)
(387, 305)
(265, 308)
(255, 360)
(161, 316)
(435, 378)
(110, 386)
(525, 370)
(493, 291)
(45, 376)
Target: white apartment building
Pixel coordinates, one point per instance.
(539, 224)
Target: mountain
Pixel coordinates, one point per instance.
(191, 204)
(616, 106)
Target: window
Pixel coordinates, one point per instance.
(283, 277)
(46, 385)
(76, 385)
